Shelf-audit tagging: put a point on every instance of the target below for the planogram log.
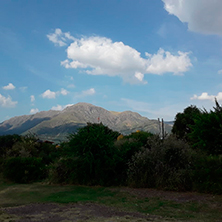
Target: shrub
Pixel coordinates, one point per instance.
(31, 146)
(127, 147)
(207, 173)
(93, 145)
(6, 143)
(167, 164)
(206, 133)
(64, 170)
(141, 137)
(24, 169)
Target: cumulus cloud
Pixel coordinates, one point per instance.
(48, 94)
(85, 93)
(100, 56)
(219, 71)
(10, 86)
(33, 111)
(60, 107)
(59, 38)
(7, 102)
(203, 16)
(206, 96)
(64, 92)
(32, 98)
(140, 77)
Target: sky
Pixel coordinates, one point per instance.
(154, 57)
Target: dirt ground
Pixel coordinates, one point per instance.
(52, 212)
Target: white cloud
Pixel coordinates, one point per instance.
(33, 111)
(89, 92)
(101, 56)
(203, 16)
(52, 95)
(59, 107)
(10, 86)
(7, 102)
(64, 92)
(140, 77)
(85, 93)
(32, 97)
(59, 38)
(49, 94)
(206, 96)
(164, 61)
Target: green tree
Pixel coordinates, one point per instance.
(184, 122)
(206, 133)
(94, 147)
(7, 142)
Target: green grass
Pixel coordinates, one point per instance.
(19, 194)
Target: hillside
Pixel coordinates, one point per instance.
(56, 125)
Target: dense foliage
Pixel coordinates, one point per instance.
(24, 169)
(165, 165)
(201, 128)
(187, 160)
(184, 122)
(206, 133)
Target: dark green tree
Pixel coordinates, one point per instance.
(206, 133)
(7, 142)
(184, 121)
(94, 147)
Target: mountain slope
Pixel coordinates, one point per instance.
(58, 124)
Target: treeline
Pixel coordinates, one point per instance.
(189, 159)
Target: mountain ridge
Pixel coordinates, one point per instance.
(56, 125)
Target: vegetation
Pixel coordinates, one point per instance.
(166, 165)
(190, 159)
(184, 122)
(24, 169)
(176, 207)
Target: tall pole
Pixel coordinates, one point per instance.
(163, 133)
(159, 126)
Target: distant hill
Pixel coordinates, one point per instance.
(56, 125)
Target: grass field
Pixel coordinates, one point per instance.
(201, 208)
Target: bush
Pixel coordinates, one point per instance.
(64, 170)
(93, 146)
(206, 133)
(24, 169)
(6, 143)
(167, 165)
(31, 146)
(141, 137)
(127, 147)
(207, 173)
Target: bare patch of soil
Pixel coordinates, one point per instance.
(51, 212)
(168, 195)
(79, 212)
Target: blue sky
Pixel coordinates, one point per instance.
(154, 57)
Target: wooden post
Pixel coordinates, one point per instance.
(163, 133)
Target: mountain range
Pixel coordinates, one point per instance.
(56, 125)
